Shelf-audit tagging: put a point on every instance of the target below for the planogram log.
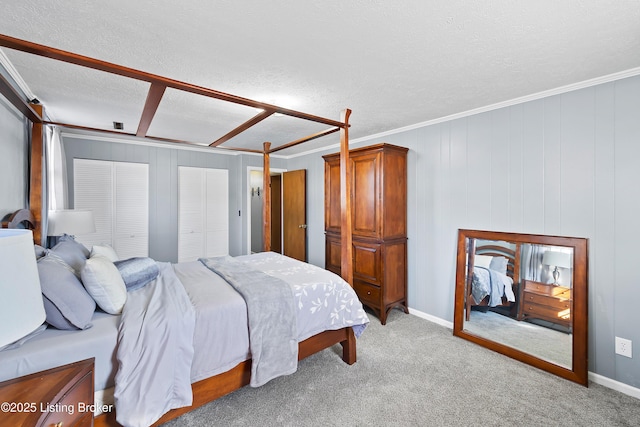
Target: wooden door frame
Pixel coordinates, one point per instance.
(248, 200)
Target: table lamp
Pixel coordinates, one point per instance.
(556, 259)
(21, 306)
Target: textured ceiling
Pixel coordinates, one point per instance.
(394, 63)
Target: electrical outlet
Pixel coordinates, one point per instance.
(623, 347)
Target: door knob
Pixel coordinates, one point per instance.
(302, 226)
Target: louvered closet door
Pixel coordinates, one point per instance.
(118, 195)
(203, 214)
(190, 214)
(131, 209)
(93, 190)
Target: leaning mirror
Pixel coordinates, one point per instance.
(525, 296)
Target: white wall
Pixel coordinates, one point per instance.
(563, 165)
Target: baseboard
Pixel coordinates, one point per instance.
(615, 385)
(431, 318)
(596, 378)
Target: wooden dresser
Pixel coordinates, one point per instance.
(60, 397)
(546, 302)
(379, 224)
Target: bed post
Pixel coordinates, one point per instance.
(266, 203)
(471, 253)
(35, 175)
(346, 261)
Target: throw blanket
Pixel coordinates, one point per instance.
(155, 350)
(490, 282)
(272, 318)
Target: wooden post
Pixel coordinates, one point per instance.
(35, 174)
(346, 254)
(266, 201)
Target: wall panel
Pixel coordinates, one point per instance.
(626, 205)
(603, 243)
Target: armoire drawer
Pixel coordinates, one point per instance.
(367, 292)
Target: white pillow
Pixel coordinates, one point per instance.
(105, 250)
(482, 261)
(104, 283)
(499, 264)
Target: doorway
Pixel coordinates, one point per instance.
(255, 201)
(288, 212)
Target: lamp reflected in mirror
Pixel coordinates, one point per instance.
(556, 259)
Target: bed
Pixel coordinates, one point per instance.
(222, 352)
(493, 277)
(104, 325)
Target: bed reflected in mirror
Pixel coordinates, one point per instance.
(525, 296)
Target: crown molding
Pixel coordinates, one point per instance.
(11, 70)
(533, 97)
(544, 94)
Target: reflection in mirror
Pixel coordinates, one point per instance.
(501, 269)
(516, 294)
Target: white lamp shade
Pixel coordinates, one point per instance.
(557, 259)
(21, 306)
(71, 222)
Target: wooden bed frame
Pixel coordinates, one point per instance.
(513, 271)
(209, 389)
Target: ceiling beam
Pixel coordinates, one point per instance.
(17, 101)
(305, 139)
(96, 64)
(156, 91)
(246, 125)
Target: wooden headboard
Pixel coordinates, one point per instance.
(22, 217)
(512, 255)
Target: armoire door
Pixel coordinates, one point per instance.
(365, 188)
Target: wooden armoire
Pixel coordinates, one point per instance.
(379, 224)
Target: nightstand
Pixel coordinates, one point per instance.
(546, 302)
(60, 397)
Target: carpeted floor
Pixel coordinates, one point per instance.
(545, 343)
(413, 372)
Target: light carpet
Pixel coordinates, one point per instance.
(413, 372)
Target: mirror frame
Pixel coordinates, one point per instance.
(579, 314)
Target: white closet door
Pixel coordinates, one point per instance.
(131, 209)
(203, 213)
(118, 195)
(190, 214)
(93, 190)
(217, 212)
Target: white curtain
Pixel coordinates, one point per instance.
(56, 170)
(532, 262)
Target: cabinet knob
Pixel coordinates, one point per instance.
(58, 424)
(368, 292)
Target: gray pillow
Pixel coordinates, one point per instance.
(137, 272)
(40, 251)
(66, 303)
(72, 252)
